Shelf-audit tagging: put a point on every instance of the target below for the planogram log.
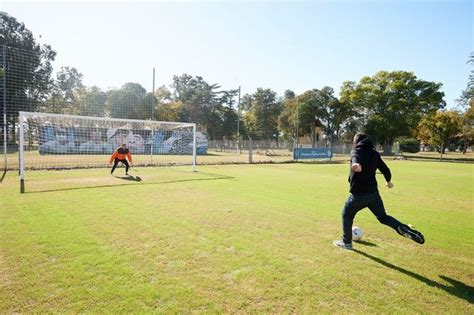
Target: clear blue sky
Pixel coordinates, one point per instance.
(279, 45)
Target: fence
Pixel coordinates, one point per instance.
(27, 83)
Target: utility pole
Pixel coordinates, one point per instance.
(238, 124)
(153, 93)
(152, 115)
(297, 121)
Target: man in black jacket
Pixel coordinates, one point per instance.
(365, 160)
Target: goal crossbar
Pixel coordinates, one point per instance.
(24, 115)
(175, 136)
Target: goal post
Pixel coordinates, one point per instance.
(55, 141)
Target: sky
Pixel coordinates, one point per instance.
(297, 45)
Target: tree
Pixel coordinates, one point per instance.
(170, 111)
(394, 103)
(129, 102)
(443, 126)
(201, 103)
(320, 108)
(423, 134)
(467, 127)
(206, 105)
(466, 101)
(261, 116)
(332, 114)
(199, 99)
(353, 101)
(289, 95)
(28, 70)
(91, 101)
(287, 120)
(308, 109)
(467, 96)
(145, 108)
(229, 115)
(63, 92)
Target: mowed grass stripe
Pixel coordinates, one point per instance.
(257, 240)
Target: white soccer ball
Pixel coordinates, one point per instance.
(357, 233)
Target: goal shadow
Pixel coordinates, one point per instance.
(136, 180)
(456, 288)
(3, 176)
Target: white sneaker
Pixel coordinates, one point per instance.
(343, 245)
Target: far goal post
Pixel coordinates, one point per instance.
(54, 141)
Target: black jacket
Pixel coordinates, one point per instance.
(365, 154)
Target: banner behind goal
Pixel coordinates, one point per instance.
(53, 141)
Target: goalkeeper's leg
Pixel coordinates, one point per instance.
(115, 165)
(125, 162)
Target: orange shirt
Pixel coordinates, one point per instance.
(121, 154)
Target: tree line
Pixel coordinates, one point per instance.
(388, 105)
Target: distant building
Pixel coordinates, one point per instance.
(319, 141)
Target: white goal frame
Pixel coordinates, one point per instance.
(23, 118)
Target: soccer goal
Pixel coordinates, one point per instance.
(54, 141)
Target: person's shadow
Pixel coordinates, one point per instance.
(456, 288)
(366, 243)
(130, 178)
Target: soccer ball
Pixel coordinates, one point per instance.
(357, 233)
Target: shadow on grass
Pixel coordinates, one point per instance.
(366, 243)
(3, 176)
(130, 178)
(133, 181)
(456, 288)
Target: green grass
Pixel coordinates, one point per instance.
(468, 156)
(33, 159)
(234, 239)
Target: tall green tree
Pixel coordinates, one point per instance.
(287, 120)
(261, 116)
(466, 102)
(354, 103)
(170, 111)
(394, 103)
(199, 99)
(467, 96)
(128, 102)
(28, 70)
(333, 114)
(229, 115)
(442, 127)
(63, 92)
(308, 109)
(91, 101)
(205, 104)
(467, 126)
(315, 108)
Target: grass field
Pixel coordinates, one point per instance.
(33, 159)
(234, 239)
(468, 156)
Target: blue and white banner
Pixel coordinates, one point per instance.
(312, 153)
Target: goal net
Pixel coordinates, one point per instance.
(54, 141)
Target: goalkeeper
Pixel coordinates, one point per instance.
(121, 155)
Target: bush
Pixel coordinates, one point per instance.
(409, 145)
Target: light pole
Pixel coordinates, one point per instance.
(152, 115)
(297, 121)
(153, 93)
(238, 124)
